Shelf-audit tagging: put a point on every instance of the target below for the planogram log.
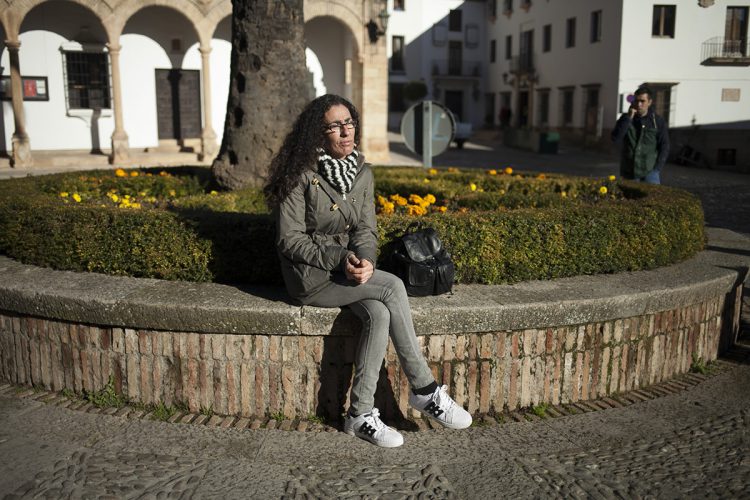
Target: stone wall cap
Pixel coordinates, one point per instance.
(152, 304)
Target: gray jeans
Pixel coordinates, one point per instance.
(383, 307)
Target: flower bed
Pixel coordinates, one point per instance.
(500, 226)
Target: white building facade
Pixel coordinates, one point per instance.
(570, 67)
(153, 75)
(442, 44)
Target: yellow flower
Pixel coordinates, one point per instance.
(508, 170)
(399, 200)
(432, 171)
(453, 170)
(603, 190)
(415, 210)
(426, 180)
(473, 186)
(134, 173)
(64, 194)
(541, 176)
(442, 209)
(430, 198)
(381, 200)
(115, 198)
(135, 205)
(564, 194)
(77, 197)
(415, 198)
(213, 193)
(492, 172)
(163, 174)
(502, 191)
(172, 192)
(611, 177)
(142, 193)
(120, 173)
(388, 208)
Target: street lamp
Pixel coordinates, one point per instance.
(376, 30)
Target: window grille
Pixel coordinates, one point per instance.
(87, 80)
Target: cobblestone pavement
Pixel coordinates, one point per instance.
(695, 442)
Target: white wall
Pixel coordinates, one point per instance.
(698, 93)
(332, 44)
(48, 123)
(416, 24)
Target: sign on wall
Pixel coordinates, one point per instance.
(34, 88)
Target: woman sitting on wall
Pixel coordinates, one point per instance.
(321, 191)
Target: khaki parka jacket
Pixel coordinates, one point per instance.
(316, 229)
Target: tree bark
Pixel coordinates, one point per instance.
(268, 88)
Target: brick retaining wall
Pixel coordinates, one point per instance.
(299, 375)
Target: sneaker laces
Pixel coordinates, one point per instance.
(373, 418)
(442, 399)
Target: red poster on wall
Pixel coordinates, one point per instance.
(29, 88)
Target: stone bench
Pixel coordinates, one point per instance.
(248, 352)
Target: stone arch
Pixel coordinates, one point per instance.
(341, 11)
(21, 8)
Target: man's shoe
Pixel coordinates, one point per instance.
(369, 427)
(441, 407)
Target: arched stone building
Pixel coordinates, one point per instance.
(153, 75)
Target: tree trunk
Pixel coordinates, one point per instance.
(268, 88)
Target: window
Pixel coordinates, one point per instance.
(526, 51)
(492, 51)
(726, 157)
(508, 46)
(544, 107)
(399, 4)
(87, 75)
(591, 109)
(567, 106)
(735, 32)
(396, 97)
(454, 20)
(507, 6)
(547, 38)
(663, 22)
(596, 26)
(455, 57)
(397, 53)
(570, 32)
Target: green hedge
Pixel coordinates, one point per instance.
(186, 232)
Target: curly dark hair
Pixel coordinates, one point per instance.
(298, 153)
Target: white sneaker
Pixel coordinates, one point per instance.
(369, 427)
(441, 407)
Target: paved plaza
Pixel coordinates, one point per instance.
(684, 439)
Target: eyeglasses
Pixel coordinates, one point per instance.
(340, 126)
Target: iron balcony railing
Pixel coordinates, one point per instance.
(523, 63)
(723, 50)
(456, 67)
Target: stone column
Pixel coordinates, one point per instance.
(120, 148)
(21, 155)
(374, 109)
(208, 136)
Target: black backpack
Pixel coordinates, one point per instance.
(421, 261)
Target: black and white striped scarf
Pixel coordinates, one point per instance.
(338, 173)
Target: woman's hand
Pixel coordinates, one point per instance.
(358, 270)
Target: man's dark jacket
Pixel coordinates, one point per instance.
(645, 144)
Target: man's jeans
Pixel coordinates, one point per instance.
(650, 178)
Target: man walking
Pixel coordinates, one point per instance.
(644, 140)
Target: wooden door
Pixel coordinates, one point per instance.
(178, 103)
